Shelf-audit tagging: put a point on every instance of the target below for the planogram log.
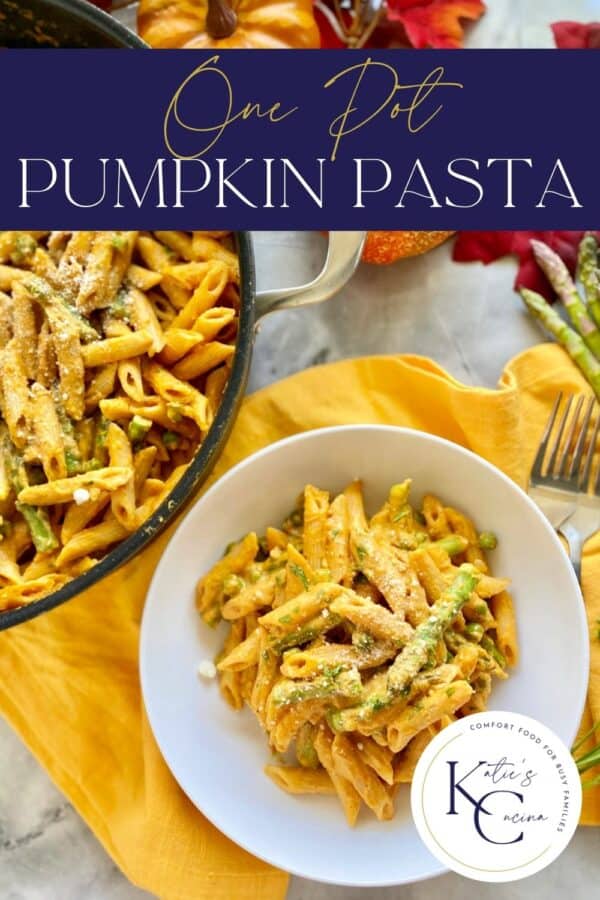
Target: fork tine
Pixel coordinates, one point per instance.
(551, 470)
(585, 480)
(568, 442)
(538, 463)
(580, 445)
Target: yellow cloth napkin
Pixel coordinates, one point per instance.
(69, 679)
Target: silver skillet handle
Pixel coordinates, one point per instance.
(343, 256)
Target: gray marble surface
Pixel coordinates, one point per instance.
(464, 316)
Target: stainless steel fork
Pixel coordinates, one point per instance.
(563, 473)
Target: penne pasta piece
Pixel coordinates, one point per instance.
(316, 506)
(15, 394)
(462, 525)
(175, 391)
(143, 279)
(506, 627)
(355, 506)
(46, 366)
(153, 408)
(267, 668)
(129, 373)
(30, 591)
(6, 332)
(300, 576)
(202, 359)
(337, 542)
(209, 591)
(244, 655)
(406, 761)
(41, 564)
(376, 757)
(372, 617)
(349, 764)
(24, 329)
(123, 245)
(251, 598)
(229, 681)
(314, 661)
(214, 388)
(93, 289)
(122, 501)
(178, 241)
(48, 433)
(207, 247)
(384, 569)
(290, 615)
(441, 701)
(297, 780)
(178, 342)
(208, 284)
(347, 793)
(145, 320)
(10, 274)
(436, 520)
(62, 490)
(70, 267)
(111, 350)
(214, 320)
(154, 254)
(163, 309)
(143, 461)
(78, 516)
(9, 567)
(92, 540)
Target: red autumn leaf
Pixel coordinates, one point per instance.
(576, 35)
(487, 246)
(434, 23)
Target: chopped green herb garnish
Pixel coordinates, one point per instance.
(300, 575)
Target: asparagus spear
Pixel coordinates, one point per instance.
(307, 632)
(415, 654)
(54, 302)
(37, 519)
(570, 340)
(337, 683)
(587, 268)
(558, 275)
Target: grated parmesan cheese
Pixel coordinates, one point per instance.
(80, 496)
(207, 669)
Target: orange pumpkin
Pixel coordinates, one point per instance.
(387, 246)
(204, 24)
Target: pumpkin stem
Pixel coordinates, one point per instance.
(221, 20)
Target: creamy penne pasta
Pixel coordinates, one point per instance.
(115, 350)
(355, 640)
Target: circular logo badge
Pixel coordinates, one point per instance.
(496, 796)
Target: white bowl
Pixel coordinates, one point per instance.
(217, 755)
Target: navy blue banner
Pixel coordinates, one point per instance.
(299, 139)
